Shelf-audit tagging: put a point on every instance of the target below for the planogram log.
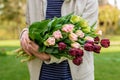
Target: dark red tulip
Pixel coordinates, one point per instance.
(97, 48)
(61, 46)
(89, 47)
(105, 43)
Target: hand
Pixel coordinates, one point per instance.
(31, 48)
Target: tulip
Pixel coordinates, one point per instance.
(75, 19)
(73, 37)
(67, 28)
(97, 40)
(77, 61)
(62, 46)
(50, 41)
(97, 48)
(75, 45)
(57, 34)
(79, 33)
(88, 47)
(105, 43)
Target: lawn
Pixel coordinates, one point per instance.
(10, 66)
(107, 64)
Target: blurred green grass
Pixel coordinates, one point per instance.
(107, 63)
(9, 43)
(12, 69)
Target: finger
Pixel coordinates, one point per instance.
(27, 39)
(25, 47)
(33, 49)
(35, 46)
(41, 56)
(24, 43)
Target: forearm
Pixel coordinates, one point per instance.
(25, 29)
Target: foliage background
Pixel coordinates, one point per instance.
(12, 18)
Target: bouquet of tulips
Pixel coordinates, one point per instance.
(67, 36)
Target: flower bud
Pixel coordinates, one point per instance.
(88, 38)
(61, 46)
(83, 24)
(75, 19)
(67, 27)
(90, 42)
(97, 48)
(50, 41)
(88, 47)
(72, 51)
(73, 37)
(97, 40)
(79, 33)
(77, 61)
(79, 52)
(105, 43)
(86, 30)
(75, 45)
(57, 34)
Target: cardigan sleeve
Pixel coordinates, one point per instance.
(27, 14)
(90, 12)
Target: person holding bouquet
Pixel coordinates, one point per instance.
(46, 66)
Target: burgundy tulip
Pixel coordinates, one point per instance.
(97, 40)
(61, 46)
(90, 42)
(97, 48)
(89, 47)
(79, 52)
(72, 51)
(105, 43)
(77, 61)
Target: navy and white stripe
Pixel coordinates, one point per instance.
(55, 71)
(53, 8)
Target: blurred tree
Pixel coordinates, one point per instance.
(103, 2)
(11, 16)
(108, 19)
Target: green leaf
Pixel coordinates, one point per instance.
(93, 24)
(34, 34)
(52, 24)
(49, 50)
(81, 41)
(57, 27)
(91, 34)
(37, 31)
(68, 41)
(40, 27)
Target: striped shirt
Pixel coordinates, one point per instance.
(53, 8)
(55, 71)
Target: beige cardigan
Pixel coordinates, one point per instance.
(36, 11)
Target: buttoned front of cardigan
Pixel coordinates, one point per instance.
(88, 9)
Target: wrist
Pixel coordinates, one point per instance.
(24, 30)
(48, 60)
